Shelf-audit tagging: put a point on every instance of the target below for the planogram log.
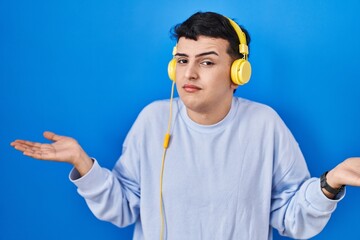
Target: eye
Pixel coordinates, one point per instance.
(181, 61)
(207, 63)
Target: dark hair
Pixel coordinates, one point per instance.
(210, 24)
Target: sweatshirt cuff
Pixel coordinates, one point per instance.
(91, 180)
(317, 199)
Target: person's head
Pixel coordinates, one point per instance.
(214, 25)
(207, 45)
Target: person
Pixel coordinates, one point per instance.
(231, 168)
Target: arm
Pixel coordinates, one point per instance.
(299, 208)
(63, 149)
(107, 198)
(306, 213)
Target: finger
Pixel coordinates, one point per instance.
(16, 142)
(25, 143)
(37, 154)
(20, 148)
(51, 136)
(23, 147)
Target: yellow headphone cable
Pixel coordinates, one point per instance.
(166, 144)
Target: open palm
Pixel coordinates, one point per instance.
(63, 149)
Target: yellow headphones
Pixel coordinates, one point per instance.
(240, 69)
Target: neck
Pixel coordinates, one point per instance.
(205, 117)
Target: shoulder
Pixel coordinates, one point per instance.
(155, 108)
(157, 112)
(255, 111)
(152, 117)
(158, 105)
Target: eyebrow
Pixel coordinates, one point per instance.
(198, 55)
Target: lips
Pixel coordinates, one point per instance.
(191, 88)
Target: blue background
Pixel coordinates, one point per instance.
(86, 68)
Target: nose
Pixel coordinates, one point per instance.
(191, 71)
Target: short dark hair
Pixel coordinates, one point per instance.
(210, 24)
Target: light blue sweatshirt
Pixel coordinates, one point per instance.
(236, 179)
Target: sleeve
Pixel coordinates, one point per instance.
(299, 209)
(108, 198)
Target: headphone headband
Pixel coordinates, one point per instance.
(243, 47)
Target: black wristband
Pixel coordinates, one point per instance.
(324, 184)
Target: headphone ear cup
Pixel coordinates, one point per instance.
(171, 69)
(240, 71)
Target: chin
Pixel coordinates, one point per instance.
(194, 105)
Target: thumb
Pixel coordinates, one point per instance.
(51, 136)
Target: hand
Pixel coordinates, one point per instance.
(63, 149)
(346, 173)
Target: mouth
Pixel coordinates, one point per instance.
(190, 88)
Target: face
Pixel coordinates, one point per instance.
(203, 78)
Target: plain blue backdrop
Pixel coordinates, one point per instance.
(85, 68)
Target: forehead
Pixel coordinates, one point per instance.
(202, 44)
